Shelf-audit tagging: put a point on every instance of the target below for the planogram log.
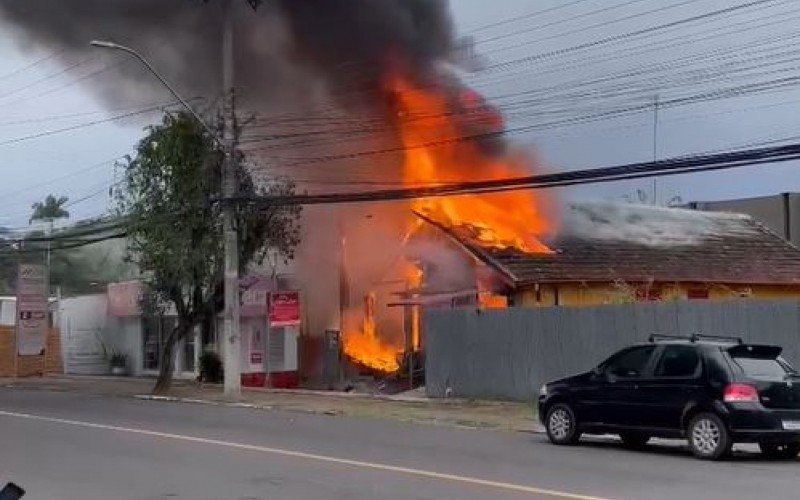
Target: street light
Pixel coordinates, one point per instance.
(232, 386)
(115, 46)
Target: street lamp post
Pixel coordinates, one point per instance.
(232, 338)
(115, 46)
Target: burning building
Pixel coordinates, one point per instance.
(608, 253)
(345, 94)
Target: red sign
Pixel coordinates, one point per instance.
(284, 308)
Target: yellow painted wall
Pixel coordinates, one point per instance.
(590, 294)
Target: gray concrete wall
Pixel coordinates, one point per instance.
(509, 354)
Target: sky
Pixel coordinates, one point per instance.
(35, 98)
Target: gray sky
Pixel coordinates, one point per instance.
(79, 163)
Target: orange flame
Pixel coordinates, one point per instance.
(414, 277)
(436, 134)
(435, 126)
(366, 347)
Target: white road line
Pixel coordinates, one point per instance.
(311, 456)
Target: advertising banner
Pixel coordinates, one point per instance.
(32, 321)
(284, 308)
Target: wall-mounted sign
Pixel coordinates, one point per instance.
(284, 308)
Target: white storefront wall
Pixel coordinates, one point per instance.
(90, 334)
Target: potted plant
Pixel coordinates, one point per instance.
(119, 364)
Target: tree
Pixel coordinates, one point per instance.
(51, 208)
(174, 226)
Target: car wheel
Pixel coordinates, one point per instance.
(561, 424)
(781, 451)
(634, 439)
(708, 437)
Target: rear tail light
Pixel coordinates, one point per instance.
(735, 393)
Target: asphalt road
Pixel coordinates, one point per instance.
(73, 446)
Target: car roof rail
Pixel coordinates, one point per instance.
(722, 338)
(663, 336)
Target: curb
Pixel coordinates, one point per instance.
(253, 406)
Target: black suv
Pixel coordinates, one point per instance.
(714, 391)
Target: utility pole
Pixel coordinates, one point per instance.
(231, 331)
(655, 147)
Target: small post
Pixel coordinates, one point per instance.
(655, 147)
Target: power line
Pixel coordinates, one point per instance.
(32, 65)
(56, 74)
(672, 166)
(628, 35)
(585, 14)
(683, 39)
(726, 92)
(525, 16)
(80, 125)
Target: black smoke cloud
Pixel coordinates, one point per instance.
(354, 41)
(287, 52)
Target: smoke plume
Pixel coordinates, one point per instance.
(287, 53)
(314, 71)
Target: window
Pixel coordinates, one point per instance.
(151, 343)
(629, 363)
(762, 367)
(154, 333)
(678, 361)
(188, 354)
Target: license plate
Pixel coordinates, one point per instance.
(791, 425)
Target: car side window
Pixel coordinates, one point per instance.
(629, 363)
(678, 361)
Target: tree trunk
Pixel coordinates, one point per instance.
(167, 365)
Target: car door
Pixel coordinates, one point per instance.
(618, 403)
(675, 380)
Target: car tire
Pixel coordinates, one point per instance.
(709, 438)
(780, 451)
(561, 425)
(634, 440)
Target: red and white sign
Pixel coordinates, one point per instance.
(284, 309)
(32, 321)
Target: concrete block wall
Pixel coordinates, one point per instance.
(27, 366)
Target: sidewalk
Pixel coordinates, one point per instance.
(410, 407)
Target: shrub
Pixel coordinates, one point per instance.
(210, 367)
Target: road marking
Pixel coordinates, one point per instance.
(311, 456)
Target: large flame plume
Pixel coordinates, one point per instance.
(451, 135)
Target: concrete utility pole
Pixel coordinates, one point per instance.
(231, 331)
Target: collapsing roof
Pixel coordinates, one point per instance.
(605, 242)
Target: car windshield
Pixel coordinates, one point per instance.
(764, 367)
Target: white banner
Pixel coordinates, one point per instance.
(253, 341)
(31, 309)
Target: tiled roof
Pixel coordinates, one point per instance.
(602, 242)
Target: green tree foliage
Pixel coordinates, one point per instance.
(51, 208)
(174, 226)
